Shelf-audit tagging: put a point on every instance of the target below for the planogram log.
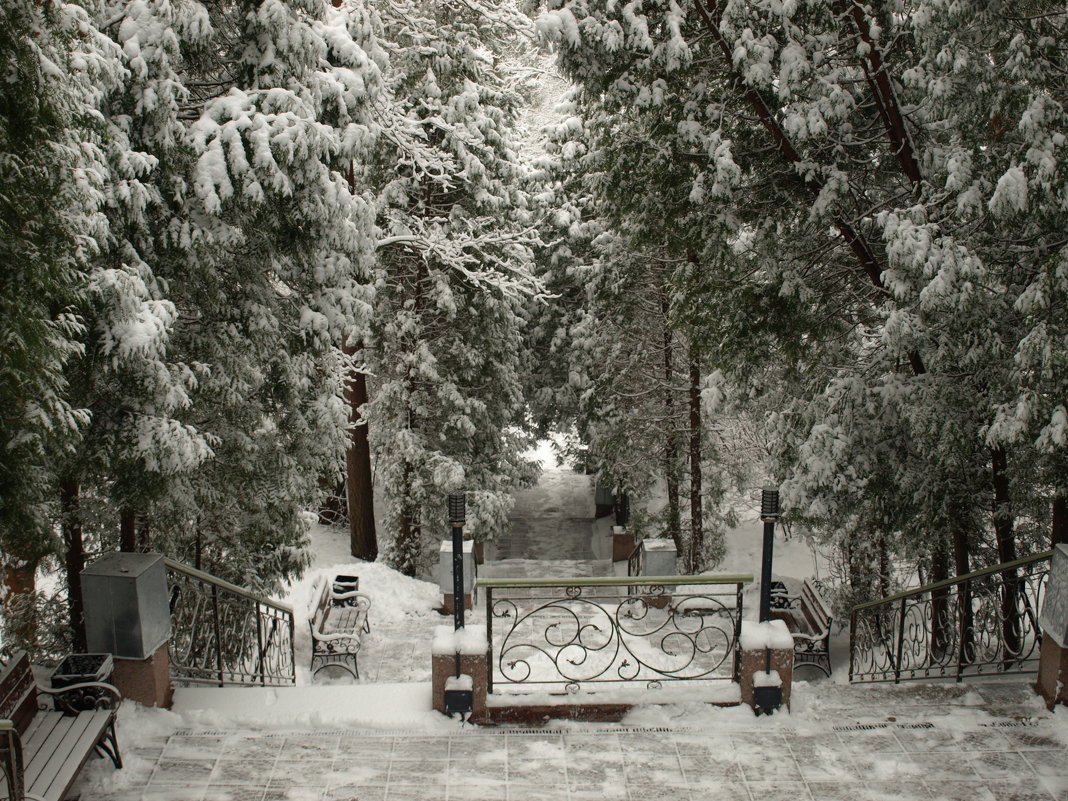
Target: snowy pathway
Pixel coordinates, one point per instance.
(935, 743)
(553, 531)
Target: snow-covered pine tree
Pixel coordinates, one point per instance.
(52, 172)
(446, 406)
(239, 227)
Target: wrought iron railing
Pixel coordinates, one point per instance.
(569, 634)
(636, 563)
(979, 623)
(222, 634)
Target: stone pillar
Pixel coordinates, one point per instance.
(622, 544)
(470, 643)
(445, 574)
(758, 642)
(127, 614)
(1052, 682)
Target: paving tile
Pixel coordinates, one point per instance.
(1048, 763)
(469, 792)
(298, 792)
(776, 766)
(314, 747)
(700, 768)
(894, 791)
(193, 747)
(720, 791)
(1026, 739)
(364, 746)
(959, 791)
(870, 742)
(1028, 790)
(1004, 765)
(242, 771)
(654, 792)
(779, 791)
(355, 792)
(526, 792)
(182, 772)
(413, 792)
(833, 791)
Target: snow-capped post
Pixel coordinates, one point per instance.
(1052, 680)
(769, 513)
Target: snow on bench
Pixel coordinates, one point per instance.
(41, 751)
(337, 623)
(809, 620)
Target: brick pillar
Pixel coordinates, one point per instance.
(757, 642)
(1052, 683)
(146, 681)
(470, 643)
(474, 665)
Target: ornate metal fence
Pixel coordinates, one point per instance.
(980, 623)
(572, 633)
(223, 634)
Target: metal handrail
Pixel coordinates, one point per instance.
(613, 581)
(224, 634)
(966, 625)
(223, 584)
(938, 585)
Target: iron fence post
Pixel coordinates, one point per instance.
(218, 632)
(900, 642)
(852, 640)
(738, 632)
(259, 646)
(489, 640)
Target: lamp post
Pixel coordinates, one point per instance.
(456, 521)
(769, 513)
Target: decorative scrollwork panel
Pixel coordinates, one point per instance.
(585, 636)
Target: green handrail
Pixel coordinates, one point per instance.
(938, 585)
(612, 581)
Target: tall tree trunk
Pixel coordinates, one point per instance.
(127, 531)
(671, 440)
(941, 620)
(1004, 523)
(696, 511)
(144, 535)
(74, 559)
(359, 492)
(409, 535)
(1059, 523)
(964, 596)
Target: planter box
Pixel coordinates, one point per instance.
(79, 668)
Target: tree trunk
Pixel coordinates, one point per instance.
(696, 512)
(144, 535)
(74, 559)
(408, 534)
(20, 582)
(359, 491)
(671, 441)
(1003, 531)
(941, 621)
(127, 531)
(961, 565)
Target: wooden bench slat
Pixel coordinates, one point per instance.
(51, 748)
(76, 746)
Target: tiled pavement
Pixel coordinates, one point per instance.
(956, 753)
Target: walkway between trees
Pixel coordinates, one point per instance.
(554, 532)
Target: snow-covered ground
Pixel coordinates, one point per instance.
(331, 738)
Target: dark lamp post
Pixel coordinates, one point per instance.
(769, 513)
(456, 521)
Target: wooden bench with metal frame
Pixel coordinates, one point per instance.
(42, 749)
(809, 620)
(338, 622)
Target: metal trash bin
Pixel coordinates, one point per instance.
(78, 669)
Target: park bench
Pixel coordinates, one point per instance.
(338, 622)
(42, 750)
(809, 620)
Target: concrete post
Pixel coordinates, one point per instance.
(127, 614)
(1052, 682)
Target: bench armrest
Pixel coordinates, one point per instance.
(84, 696)
(363, 601)
(812, 637)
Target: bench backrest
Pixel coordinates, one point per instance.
(819, 617)
(18, 692)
